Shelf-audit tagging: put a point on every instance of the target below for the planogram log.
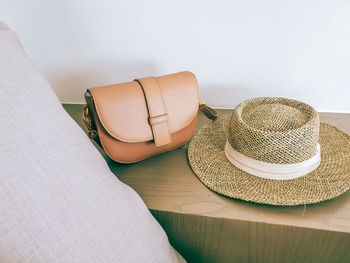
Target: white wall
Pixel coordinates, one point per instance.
(238, 49)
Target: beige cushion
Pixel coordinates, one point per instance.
(59, 202)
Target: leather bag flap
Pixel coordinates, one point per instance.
(124, 112)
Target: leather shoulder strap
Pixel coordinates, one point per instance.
(158, 117)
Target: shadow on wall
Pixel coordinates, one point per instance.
(73, 82)
(230, 96)
(234, 94)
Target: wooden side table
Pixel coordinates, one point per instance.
(206, 227)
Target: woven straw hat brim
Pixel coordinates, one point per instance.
(331, 179)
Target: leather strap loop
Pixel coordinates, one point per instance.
(158, 117)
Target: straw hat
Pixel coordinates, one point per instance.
(273, 151)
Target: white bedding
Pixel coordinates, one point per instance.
(59, 202)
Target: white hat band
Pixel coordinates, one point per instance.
(271, 170)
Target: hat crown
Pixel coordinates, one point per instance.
(274, 130)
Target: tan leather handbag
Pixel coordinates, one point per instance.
(135, 120)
